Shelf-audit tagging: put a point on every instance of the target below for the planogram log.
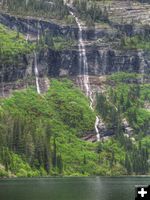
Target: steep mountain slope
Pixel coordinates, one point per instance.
(103, 47)
(45, 130)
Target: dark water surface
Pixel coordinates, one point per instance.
(97, 188)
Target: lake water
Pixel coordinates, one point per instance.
(96, 188)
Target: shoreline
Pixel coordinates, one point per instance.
(62, 177)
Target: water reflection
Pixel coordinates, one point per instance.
(97, 188)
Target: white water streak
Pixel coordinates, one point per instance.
(82, 58)
(38, 36)
(96, 128)
(27, 1)
(36, 73)
(85, 83)
(36, 63)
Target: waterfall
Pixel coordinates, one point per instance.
(83, 59)
(36, 63)
(83, 64)
(38, 35)
(36, 73)
(27, 1)
(96, 128)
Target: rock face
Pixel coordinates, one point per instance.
(31, 26)
(104, 54)
(100, 62)
(16, 76)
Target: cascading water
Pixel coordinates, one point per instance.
(36, 73)
(82, 59)
(35, 59)
(27, 1)
(83, 64)
(38, 27)
(36, 64)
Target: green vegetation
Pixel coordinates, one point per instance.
(136, 42)
(54, 9)
(124, 77)
(125, 100)
(37, 124)
(12, 45)
(56, 43)
(91, 11)
(41, 135)
(14, 165)
(60, 43)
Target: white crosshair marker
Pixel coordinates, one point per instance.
(142, 192)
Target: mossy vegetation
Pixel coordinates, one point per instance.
(60, 43)
(56, 43)
(124, 77)
(12, 45)
(45, 132)
(136, 42)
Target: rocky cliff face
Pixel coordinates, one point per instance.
(104, 53)
(31, 26)
(100, 62)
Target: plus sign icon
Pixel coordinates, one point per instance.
(142, 192)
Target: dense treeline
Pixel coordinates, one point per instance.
(12, 45)
(43, 8)
(40, 135)
(91, 11)
(30, 126)
(125, 101)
